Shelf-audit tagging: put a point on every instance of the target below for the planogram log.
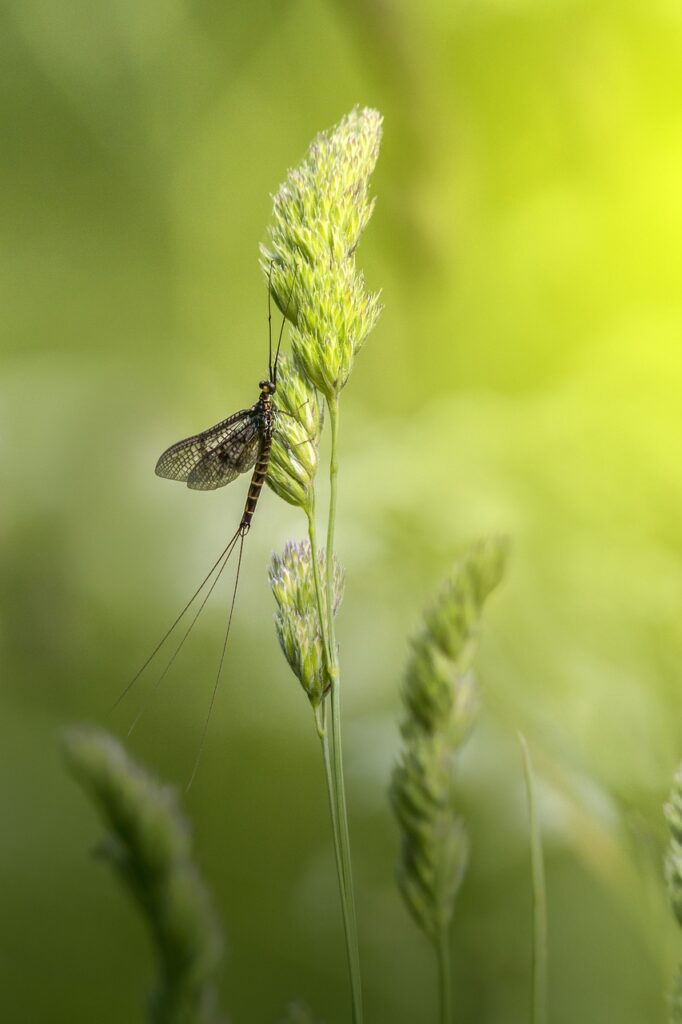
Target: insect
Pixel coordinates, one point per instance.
(209, 460)
(218, 455)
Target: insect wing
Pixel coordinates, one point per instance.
(235, 455)
(216, 469)
(229, 438)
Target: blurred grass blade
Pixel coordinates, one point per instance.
(298, 1013)
(539, 1011)
(440, 702)
(673, 877)
(149, 846)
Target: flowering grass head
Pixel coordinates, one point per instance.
(320, 212)
(440, 708)
(149, 845)
(292, 581)
(295, 443)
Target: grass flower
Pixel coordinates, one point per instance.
(297, 622)
(440, 707)
(295, 444)
(319, 215)
(149, 846)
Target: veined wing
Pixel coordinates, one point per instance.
(224, 463)
(230, 443)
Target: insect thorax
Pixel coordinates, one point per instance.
(266, 412)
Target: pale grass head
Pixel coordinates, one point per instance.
(440, 703)
(294, 457)
(319, 214)
(292, 581)
(148, 844)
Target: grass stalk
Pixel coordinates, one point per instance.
(539, 1003)
(320, 594)
(349, 935)
(321, 712)
(336, 748)
(444, 977)
(333, 767)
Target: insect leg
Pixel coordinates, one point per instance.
(290, 447)
(283, 412)
(227, 554)
(168, 632)
(222, 659)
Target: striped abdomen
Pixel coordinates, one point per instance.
(260, 471)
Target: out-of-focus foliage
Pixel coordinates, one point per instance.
(148, 844)
(524, 378)
(440, 704)
(298, 1014)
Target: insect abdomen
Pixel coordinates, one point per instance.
(260, 472)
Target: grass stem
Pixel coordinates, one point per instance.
(539, 1005)
(337, 757)
(333, 766)
(444, 977)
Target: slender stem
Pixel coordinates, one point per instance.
(539, 1010)
(444, 976)
(319, 593)
(337, 764)
(321, 722)
(321, 712)
(347, 908)
(333, 405)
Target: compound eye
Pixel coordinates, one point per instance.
(263, 384)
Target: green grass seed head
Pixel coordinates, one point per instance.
(294, 457)
(319, 214)
(440, 703)
(298, 626)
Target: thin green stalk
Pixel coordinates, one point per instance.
(444, 976)
(319, 594)
(539, 1010)
(337, 763)
(331, 794)
(321, 712)
(347, 907)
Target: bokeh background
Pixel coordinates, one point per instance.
(525, 378)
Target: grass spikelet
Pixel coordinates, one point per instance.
(440, 707)
(148, 844)
(319, 214)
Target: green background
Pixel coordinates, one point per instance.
(525, 378)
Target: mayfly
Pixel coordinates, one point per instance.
(209, 460)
